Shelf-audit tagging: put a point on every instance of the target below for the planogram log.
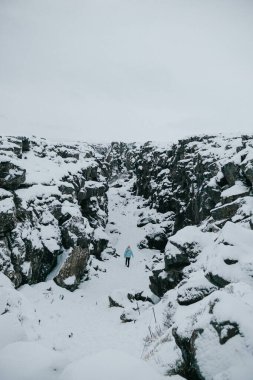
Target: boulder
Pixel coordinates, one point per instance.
(238, 190)
(181, 250)
(194, 289)
(226, 211)
(231, 172)
(157, 240)
(10, 146)
(11, 175)
(66, 152)
(226, 330)
(73, 269)
(25, 144)
(143, 221)
(99, 242)
(76, 232)
(162, 281)
(175, 257)
(92, 189)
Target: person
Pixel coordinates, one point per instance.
(128, 254)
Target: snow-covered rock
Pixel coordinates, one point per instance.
(209, 308)
(192, 177)
(52, 198)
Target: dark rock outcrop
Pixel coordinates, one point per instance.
(73, 269)
(189, 177)
(11, 175)
(190, 370)
(52, 200)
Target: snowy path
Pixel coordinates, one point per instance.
(81, 323)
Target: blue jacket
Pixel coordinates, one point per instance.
(128, 252)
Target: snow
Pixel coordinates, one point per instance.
(29, 361)
(71, 209)
(37, 191)
(52, 168)
(11, 330)
(110, 364)
(99, 233)
(5, 281)
(26, 267)
(192, 234)
(5, 194)
(70, 280)
(7, 206)
(237, 189)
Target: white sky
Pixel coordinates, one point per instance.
(126, 69)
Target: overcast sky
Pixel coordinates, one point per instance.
(103, 70)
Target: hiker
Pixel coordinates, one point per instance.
(128, 254)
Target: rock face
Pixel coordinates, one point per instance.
(11, 175)
(206, 284)
(197, 178)
(73, 269)
(181, 250)
(206, 274)
(120, 158)
(52, 202)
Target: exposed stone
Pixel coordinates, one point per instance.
(73, 269)
(145, 220)
(67, 188)
(125, 318)
(249, 172)
(67, 152)
(114, 303)
(99, 242)
(217, 280)
(161, 281)
(157, 240)
(25, 144)
(230, 261)
(226, 211)
(190, 370)
(11, 175)
(231, 172)
(138, 296)
(7, 215)
(188, 294)
(226, 330)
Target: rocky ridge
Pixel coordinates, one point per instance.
(53, 209)
(198, 210)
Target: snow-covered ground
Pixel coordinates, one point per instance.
(51, 333)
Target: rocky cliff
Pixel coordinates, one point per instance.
(199, 212)
(53, 209)
(206, 178)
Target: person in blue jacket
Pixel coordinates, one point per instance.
(128, 254)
